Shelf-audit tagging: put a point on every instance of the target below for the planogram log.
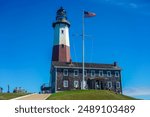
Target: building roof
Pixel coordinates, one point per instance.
(87, 65)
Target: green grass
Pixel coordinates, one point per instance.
(88, 95)
(7, 96)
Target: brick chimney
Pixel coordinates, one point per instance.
(115, 64)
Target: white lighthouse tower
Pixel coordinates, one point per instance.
(61, 46)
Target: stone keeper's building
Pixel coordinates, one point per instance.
(67, 75)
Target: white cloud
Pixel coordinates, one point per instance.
(140, 91)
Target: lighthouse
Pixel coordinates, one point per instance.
(67, 75)
(61, 45)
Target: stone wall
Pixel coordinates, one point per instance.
(102, 80)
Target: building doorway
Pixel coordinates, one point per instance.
(94, 84)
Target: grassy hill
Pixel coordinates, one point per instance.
(7, 96)
(88, 95)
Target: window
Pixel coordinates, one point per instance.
(62, 45)
(76, 72)
(62, 31)
(65, 83)
(116, 74)
(117, 84)
(76, 84)
(65, 72)
(85, 72)
(109, 84)
(92, 73)
(101, 73)
(108, 73)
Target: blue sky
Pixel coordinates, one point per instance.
(119, 32)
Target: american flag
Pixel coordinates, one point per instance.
(89, 14)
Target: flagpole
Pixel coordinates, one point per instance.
(88, 14)
(83, 50)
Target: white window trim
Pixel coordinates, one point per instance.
(91, 73)
(116, 72)
(76, 81)
(117, 83)
(85, 72)
(64, 72)
(77, 72)
(101, 72)
(65, 83)
(108, 84)
(108, 72)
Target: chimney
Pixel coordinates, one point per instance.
(115, 64)
(70, 61)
